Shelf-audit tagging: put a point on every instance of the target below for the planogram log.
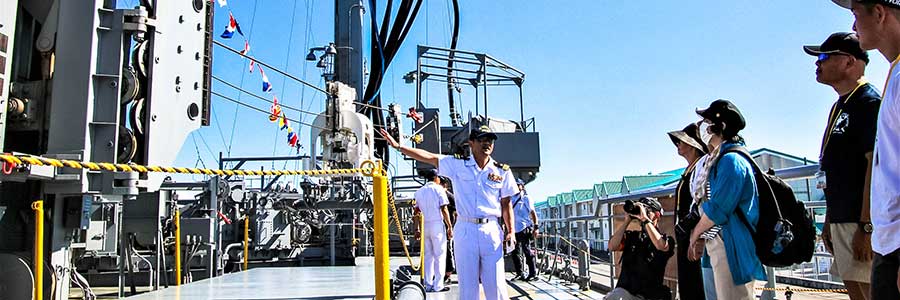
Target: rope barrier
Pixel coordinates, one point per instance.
(400, 231)
(25, 160)
(570, 244)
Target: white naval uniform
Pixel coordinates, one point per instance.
(479, 247)
(429, 200)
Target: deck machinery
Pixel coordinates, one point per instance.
(91, 81)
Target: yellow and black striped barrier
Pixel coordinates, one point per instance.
(10, 160)
(803, 290)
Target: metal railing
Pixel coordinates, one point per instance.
(817, 269)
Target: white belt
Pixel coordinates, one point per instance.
(478, 220)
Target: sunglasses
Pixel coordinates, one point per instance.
(826, 56)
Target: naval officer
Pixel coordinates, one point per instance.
(482, 188)
(431, 203)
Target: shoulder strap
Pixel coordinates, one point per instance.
(518, 200)
(761, 179)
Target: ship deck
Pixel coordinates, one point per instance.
(351, 282)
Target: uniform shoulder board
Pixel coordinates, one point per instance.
(504, 167)
(458, 156)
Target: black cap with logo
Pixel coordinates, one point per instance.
(724, 111)
(847, 3)
(841, 42)
(482, 131)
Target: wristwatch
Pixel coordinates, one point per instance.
(645, 222)
(866, 227)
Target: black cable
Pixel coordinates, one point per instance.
(407, 28)
(454, 117)
(386, 20)
(375, 77)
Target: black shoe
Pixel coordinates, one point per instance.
(532, 278)
(445, 289)
(517, 278)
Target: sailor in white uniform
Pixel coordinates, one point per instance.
(482, 188)
(431, 204)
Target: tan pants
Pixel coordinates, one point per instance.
(845, 265)
(725, 287)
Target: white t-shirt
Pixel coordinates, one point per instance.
(885, 205)
(429, 199)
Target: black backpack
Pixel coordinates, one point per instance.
(785, 234)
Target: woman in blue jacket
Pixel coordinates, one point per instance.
(731, 190)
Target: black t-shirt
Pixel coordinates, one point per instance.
(684, 199)
(644, 266)
(850, 135)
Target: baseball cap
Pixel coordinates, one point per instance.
(651, 203)
(840, 42)
(724, 111)
(847, 3)
(689, 135)
(428, 173)
(482, 131)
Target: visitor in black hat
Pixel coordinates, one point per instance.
(848, 140)
(691, 148)
(645, 253)
(730, 250)
(877, 22)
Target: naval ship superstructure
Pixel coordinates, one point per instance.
(101, 97)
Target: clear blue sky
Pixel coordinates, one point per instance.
(605, 79)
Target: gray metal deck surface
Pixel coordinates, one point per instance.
(320, 283)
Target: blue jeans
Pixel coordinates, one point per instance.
(709, 283)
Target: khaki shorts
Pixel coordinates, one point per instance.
(844, 265)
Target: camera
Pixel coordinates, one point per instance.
(631, 207)
(783, 236)
(687, 224)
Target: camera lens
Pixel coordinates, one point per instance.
(630, 207)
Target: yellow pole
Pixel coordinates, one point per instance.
(177, 247)
(38, 207)
(246, 241)
(382, 263)
(422, 248)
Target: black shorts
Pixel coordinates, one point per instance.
(884, 276)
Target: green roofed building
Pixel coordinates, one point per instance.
(612, 188)
(581, 195)
(634, 183)
(584, 201)
(553, 201)
(567, 198)
(599, 190)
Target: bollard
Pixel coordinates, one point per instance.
(382, 263)
(38, 207)
(584, 265)
(769, 294)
